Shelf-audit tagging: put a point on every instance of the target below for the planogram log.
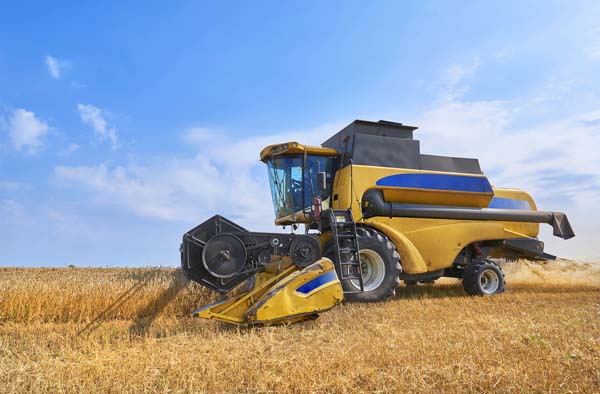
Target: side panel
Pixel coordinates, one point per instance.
(431, 244)
(439, 245)
(412, 186)
(410, 257)
(516, 199)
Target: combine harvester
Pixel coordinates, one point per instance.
(376, 211)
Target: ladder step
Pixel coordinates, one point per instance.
(343, 229)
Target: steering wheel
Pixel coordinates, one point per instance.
(296, 185)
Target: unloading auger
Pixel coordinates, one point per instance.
(376, 212)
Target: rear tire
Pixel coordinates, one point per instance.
(483, 278)
(380, 264)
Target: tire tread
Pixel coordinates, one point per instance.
(472, 273)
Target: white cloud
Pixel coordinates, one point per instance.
(175, 190)
(55, 66)
(14, 213)
(93, 116)
(504, 53)
(453, 76)
(593, 47)
(12, 186)
(554, 161)
(547, 158)
(594, 51)
(199, 136)
(71, 148)
(26, 130)
(77, 85)
(553, 157)
(224, 176)
(457, 72)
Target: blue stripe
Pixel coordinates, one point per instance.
(438, 182)
(317, 282)
(509, 203)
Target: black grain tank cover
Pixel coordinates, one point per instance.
(390, 144)
(383, 128)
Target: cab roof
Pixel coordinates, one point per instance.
(295, 148)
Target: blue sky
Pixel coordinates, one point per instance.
(124, 125)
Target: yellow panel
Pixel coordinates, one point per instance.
(341, 190)
(426, 244)
(439, 245)
(295, 148)
(436, 197)
(289, 296)
(410, 258)
(352, 181)
(527, 229)
(232, 310)
(314, 289)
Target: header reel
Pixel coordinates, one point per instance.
(220, 254)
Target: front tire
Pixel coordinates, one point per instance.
(380, 265)
(483, 278)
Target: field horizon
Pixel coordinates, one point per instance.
(129, 330)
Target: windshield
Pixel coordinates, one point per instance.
(292, 186)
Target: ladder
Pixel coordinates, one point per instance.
(345, 245)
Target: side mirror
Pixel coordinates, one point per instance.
(322, 180)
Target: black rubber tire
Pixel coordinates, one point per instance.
(369, 238)
(472, 277)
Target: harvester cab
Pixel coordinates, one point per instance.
(376, 212)
(300, 178)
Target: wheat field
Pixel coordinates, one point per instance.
(128, 331)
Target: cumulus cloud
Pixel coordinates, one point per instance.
(554, 159)
(593, 47)
(14, 213)
(594, 51)
(71, 148)
(12, 186)
(550, 159)
(149, 191)
(55, 66)
(94, 117)
(26, 131)
(453, 76)
(552, 156)
(223, 176)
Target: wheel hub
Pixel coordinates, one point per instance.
(489, 281)
(373, 270)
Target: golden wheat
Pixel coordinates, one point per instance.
(128, 330)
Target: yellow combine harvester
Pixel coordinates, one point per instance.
(376, 211)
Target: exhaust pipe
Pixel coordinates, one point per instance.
(373, 205)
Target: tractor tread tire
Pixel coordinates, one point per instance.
(378, 242)
(472, 274)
